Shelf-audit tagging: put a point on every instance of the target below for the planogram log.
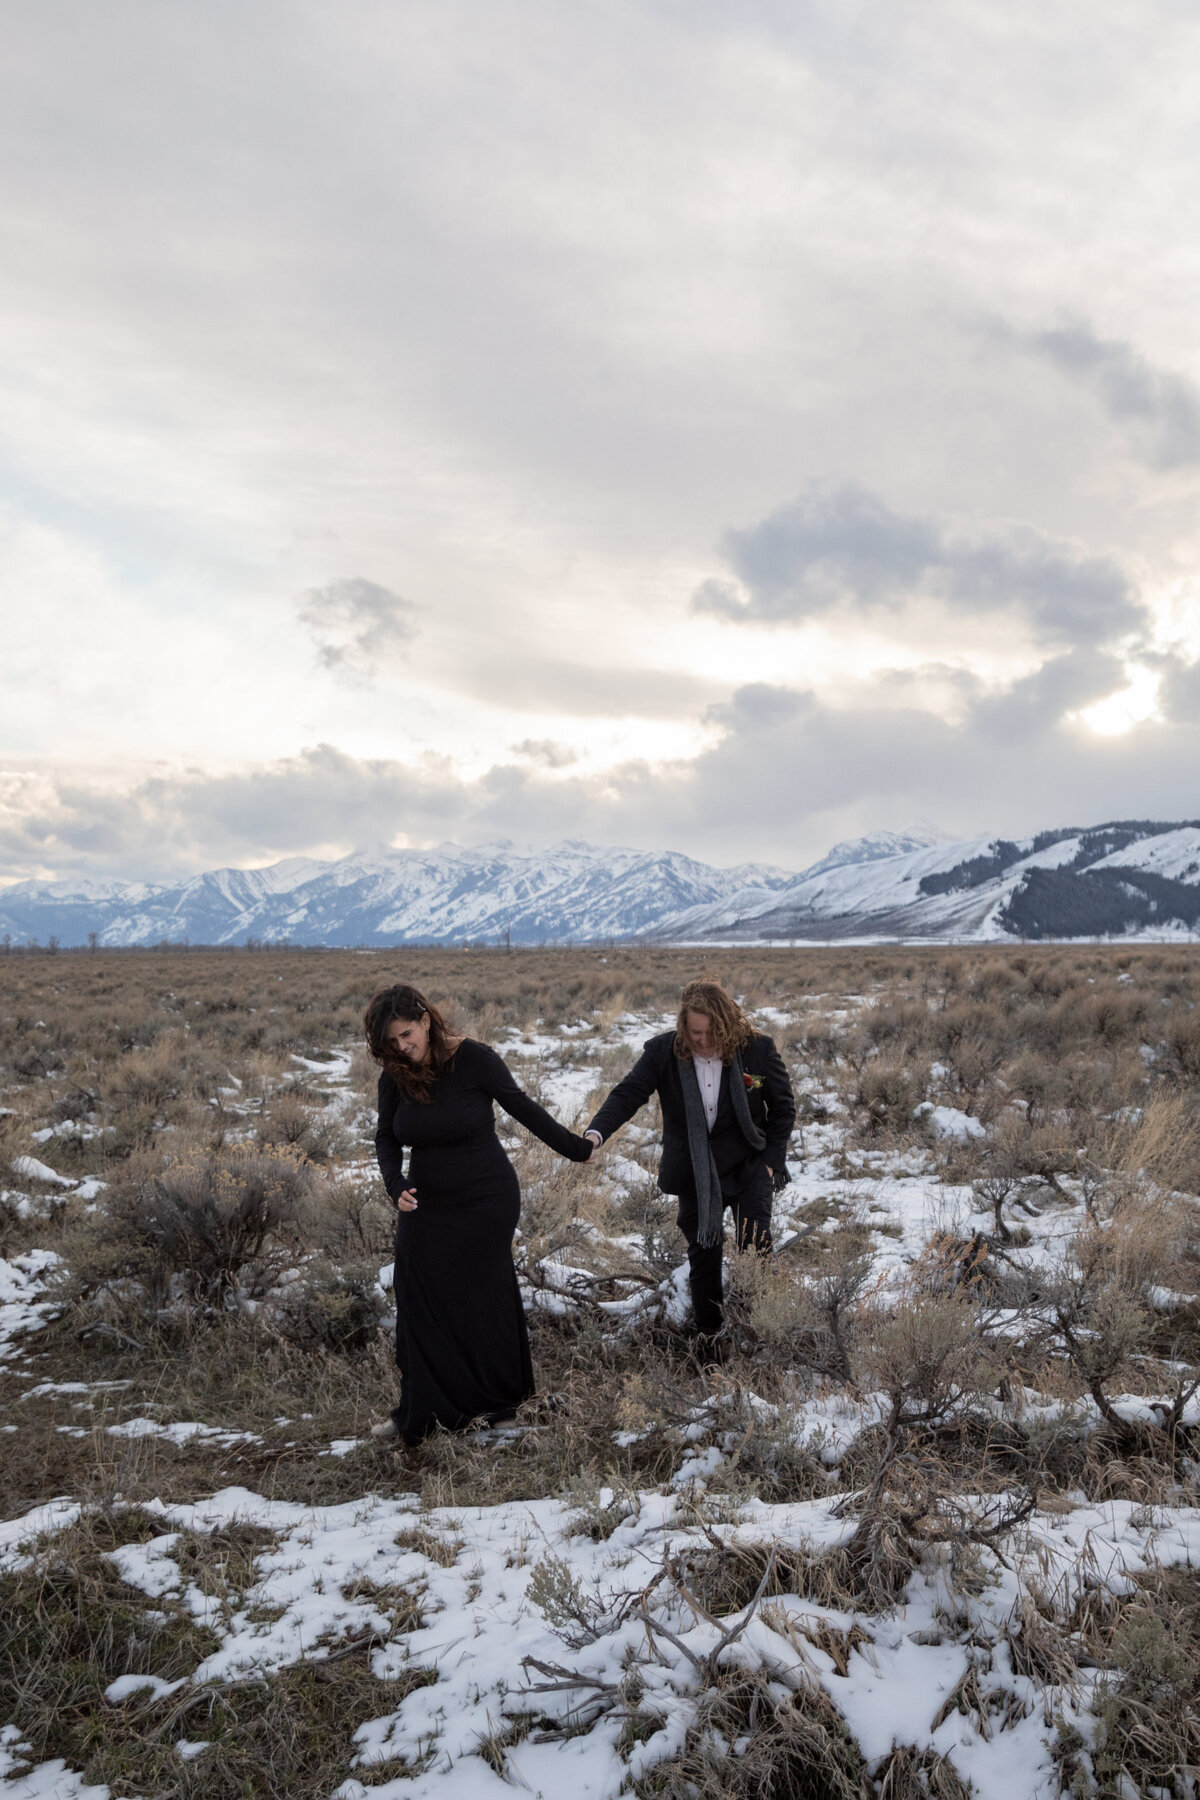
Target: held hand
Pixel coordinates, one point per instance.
(407, 1201)
(595, 1140)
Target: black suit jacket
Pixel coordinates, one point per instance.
(772, 1109)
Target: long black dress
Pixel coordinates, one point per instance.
(461, 1342)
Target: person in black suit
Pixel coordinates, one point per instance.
(727, 1115)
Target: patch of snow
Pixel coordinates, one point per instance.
(22, 1279)
(48, 1781)
(184, 1432)
(52, 1515)
(28, 1168)
(149, 1686)
(949, 1122)
(45, 1389)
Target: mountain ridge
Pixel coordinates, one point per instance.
(1124, 877)
(446, 895)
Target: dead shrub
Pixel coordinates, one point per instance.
(970, 1058)
(1182, 1039)
(1147, 1705)
(351, 1221)
(904, 1024)
(556, 1197)
(200, 1229)
(1037, 1081)
(911, 1774)
(768, 1457)
(800, 1317)
(1101, 1305)
(926, 1354)
(1012, 1163)
(998, 1179)
(331, 1308)
(306, 1130)
(886, 1093)
(1159, 1143)
(650, 1214)
(162, 1080)
(725, 1574)
(750, 1740)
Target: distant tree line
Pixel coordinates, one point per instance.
(1095, 843)
(1068, 903)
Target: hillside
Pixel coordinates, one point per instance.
(1132, 877)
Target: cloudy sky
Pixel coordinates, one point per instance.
(725, 428)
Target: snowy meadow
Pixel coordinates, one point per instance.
(932, 1530)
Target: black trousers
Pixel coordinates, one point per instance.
(750, 1205)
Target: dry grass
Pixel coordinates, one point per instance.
(791, 1748)
(226, 1276)
(172, 1067)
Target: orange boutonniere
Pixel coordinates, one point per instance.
(752, 1081)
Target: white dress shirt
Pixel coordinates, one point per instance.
(708, 1074)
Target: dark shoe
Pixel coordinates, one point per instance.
(713, 1349)
(542, 1407)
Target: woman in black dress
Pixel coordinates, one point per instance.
(461, 1342)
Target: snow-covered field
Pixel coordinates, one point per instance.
(564, 1642)
(646, 1649)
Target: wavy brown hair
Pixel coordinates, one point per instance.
(731, 1029)
(414, 1080)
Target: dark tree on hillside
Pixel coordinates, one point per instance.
(1067, 903)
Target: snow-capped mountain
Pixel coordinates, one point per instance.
(1132, 877)
(877, 846)
(494, 893)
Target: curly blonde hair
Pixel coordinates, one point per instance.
(731, 1029)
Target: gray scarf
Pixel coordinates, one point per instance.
(710, 1204)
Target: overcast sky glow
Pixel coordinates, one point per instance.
(725, 428)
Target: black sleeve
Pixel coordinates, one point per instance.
(496, 1080)
(781, 1107)
(389, 1151)
(630, 1093)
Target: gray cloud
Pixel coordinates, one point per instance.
(1159, 409)
(546, 752)
(356, 626)
(789, 770)
(1179, 690)
(845, 548)
(912, 686)
(1037, 702)
(787, 776)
